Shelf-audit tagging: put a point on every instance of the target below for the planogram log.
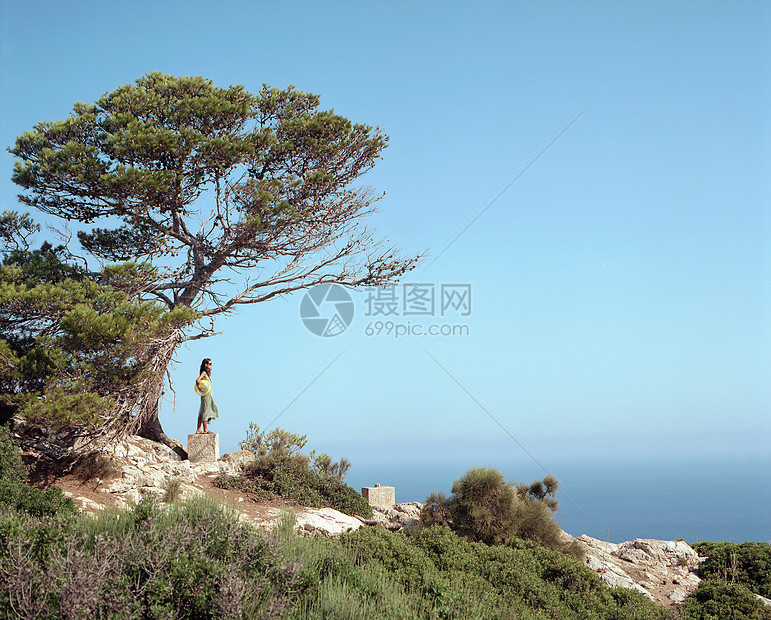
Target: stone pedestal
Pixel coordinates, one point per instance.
(203, 448)
(383, 497)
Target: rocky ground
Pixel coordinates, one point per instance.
(665, 571)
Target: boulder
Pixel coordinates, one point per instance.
(326, 522)
(663, 570)
(401, 516)
(238, 460)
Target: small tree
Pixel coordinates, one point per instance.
(543, 491)
(482, 506)
(232, 198)
(485, 508)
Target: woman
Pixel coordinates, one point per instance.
(208, 410)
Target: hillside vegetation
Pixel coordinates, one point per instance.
(195, 559)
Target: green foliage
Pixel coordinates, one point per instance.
(37, 502)
(715, 600)
(195, 560)
(435, 511)
(190, 561)
(485, 508)
(540, 491)
(140, 158)
(17, 495)
(282, 471)
(440, 575)
(291, 478)
(285, 524)
(73, 348)
(276, 444)
(325, 467)
(15, 230)
(12, 467)
(748, 564)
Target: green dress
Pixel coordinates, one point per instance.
(208, 409)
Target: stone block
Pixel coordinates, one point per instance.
(238, 460)
(383, 497)
(203, 447)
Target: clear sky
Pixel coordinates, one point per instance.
(620, 287)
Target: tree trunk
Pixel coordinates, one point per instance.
(151, 429)
(149, 426)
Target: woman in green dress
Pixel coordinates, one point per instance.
(208, 409)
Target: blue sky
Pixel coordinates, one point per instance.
(621, 287)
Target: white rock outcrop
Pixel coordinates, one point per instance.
(663, 570)
(141, 466)
(401, 516)
(325, 522)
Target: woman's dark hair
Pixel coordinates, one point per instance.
(203, 366)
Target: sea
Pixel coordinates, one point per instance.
(619, 500)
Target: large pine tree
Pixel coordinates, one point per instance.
(216, 197)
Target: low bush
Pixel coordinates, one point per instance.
(290, 478)
(748, 564)
(12, 466)
(715, 600)
(452, 578)
(40, 503)
(193, 560)
(485, 508)
(17, 495)
(435, 511)
(282, 471)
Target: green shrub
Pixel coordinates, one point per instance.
(282, 471)
(192, 560)
(277, 443)
(714, 600)
(41, 503)
(453, 578)
(11, 465)
(325, 467)
(747, 563)
(540, 491)
(485, 508)
(290, 478)
(435, 511)
(534, 521)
